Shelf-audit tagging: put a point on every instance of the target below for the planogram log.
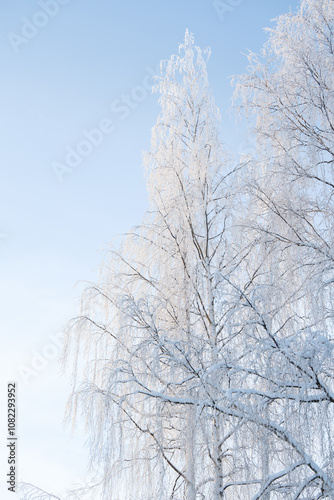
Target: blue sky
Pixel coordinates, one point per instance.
(65, 80)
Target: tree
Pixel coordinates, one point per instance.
(203, 358)
(290, 90)
(154, 332)
(27, 491)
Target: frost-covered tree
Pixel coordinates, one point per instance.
(290, 90)
(27, 491)
(153, 344)
(203, 359)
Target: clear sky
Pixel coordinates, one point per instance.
(68, 67)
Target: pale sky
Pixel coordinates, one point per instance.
(68, 67)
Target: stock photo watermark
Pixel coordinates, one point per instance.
(31, 27)
(93, 138)
(225, 7)
(84, 148)
(11, 436)
(41, 358)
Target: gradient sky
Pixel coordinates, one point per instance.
(56, 86)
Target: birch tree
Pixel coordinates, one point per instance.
(152, 347)
(203, 358)
(289, 88)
